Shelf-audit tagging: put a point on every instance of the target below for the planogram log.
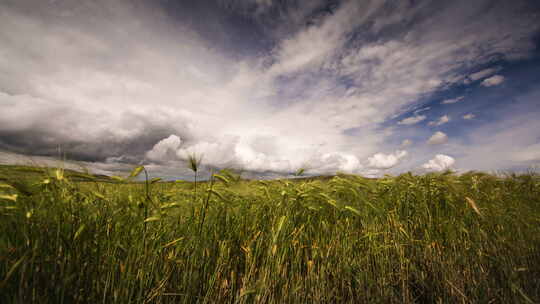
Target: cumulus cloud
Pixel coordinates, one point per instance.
(342, 161)
(440, 162)
(493, 81)
(386, 161)
(469, 116)
(452, 100)
(256, 154)
(441, 121)
(412, 120)
(438, 138)
(165, 149)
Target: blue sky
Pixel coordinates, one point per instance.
(365, 87)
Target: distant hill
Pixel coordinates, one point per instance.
(17, 172)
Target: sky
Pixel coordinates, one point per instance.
(271, 86)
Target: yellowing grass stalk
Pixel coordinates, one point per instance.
(473, 205)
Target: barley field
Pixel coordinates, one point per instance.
(69, 237)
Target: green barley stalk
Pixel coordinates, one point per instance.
(194, 163)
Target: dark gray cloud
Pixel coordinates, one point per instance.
(78, 144)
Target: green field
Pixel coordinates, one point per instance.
(68, 237)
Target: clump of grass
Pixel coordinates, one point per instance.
(434, 238)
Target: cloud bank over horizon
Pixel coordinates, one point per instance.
(269, 87)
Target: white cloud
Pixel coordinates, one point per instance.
(440, 162)
(256, 154)
(412, 120)
(421, 110)
(469, 116)
(493, 81)
(483, 73)
(406, 143)
(311, 47)
(441, 121)
(452, 100)
(386, 161)
(165, 149)
(328, 162)
(438, 138)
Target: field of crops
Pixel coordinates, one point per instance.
(434, 238)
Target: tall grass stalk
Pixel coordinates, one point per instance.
(194, 161)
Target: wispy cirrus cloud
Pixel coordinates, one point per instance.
(412, 120)
(452, 100)
(441, 121)
(493, 81)
(483, 73)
